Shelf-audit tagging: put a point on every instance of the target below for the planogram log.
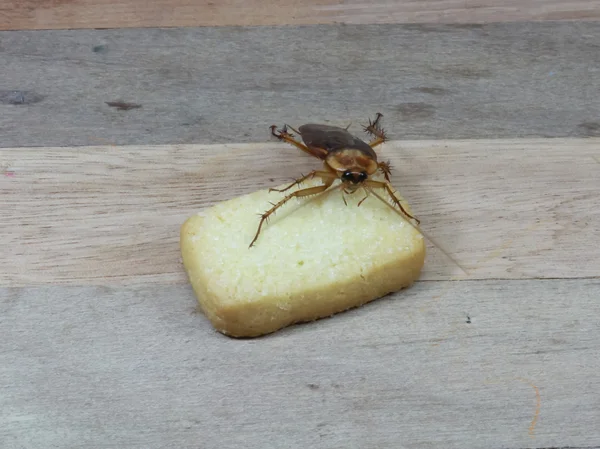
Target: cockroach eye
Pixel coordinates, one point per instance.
(354, 178)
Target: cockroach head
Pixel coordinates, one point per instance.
(352, 180)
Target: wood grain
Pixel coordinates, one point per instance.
(501, 209)
(139, 368)
(61, 14)
(228, 85)
(488, 350)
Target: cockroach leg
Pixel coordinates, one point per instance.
(375, 124)
(374, 129)
(377, 141)
(282, 134)
(285, 126)
(312, 174)
(386, 170)
(298, 194)
(386, 186)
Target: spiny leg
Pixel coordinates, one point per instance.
(283, 134)
(298, 194)
(386, 169)
(386, 186)
(380, 137)
(377, 141)
(286, 126)
(374, 129)
(312, 174)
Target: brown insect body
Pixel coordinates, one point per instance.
(345, 157)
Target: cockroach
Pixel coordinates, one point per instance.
(344, 156)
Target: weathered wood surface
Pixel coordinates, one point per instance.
(478, 354)
(227, 85)
(137, 367)
(53, 14)
(495, 208)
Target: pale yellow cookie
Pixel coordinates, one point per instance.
(315, 257)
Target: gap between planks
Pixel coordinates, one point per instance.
(500, 209)
(74, 14)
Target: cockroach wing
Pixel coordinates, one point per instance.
(324, 139)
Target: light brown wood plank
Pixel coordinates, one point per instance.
(137, 368)
(227, 85)
(495, 208)
(52, 14)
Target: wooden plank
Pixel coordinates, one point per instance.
(494, 208)
(227, 85)
(138, 368)
(52, 14)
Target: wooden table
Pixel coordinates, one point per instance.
(111, 138)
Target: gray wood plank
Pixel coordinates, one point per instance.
(202, 85)
(138, 367)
